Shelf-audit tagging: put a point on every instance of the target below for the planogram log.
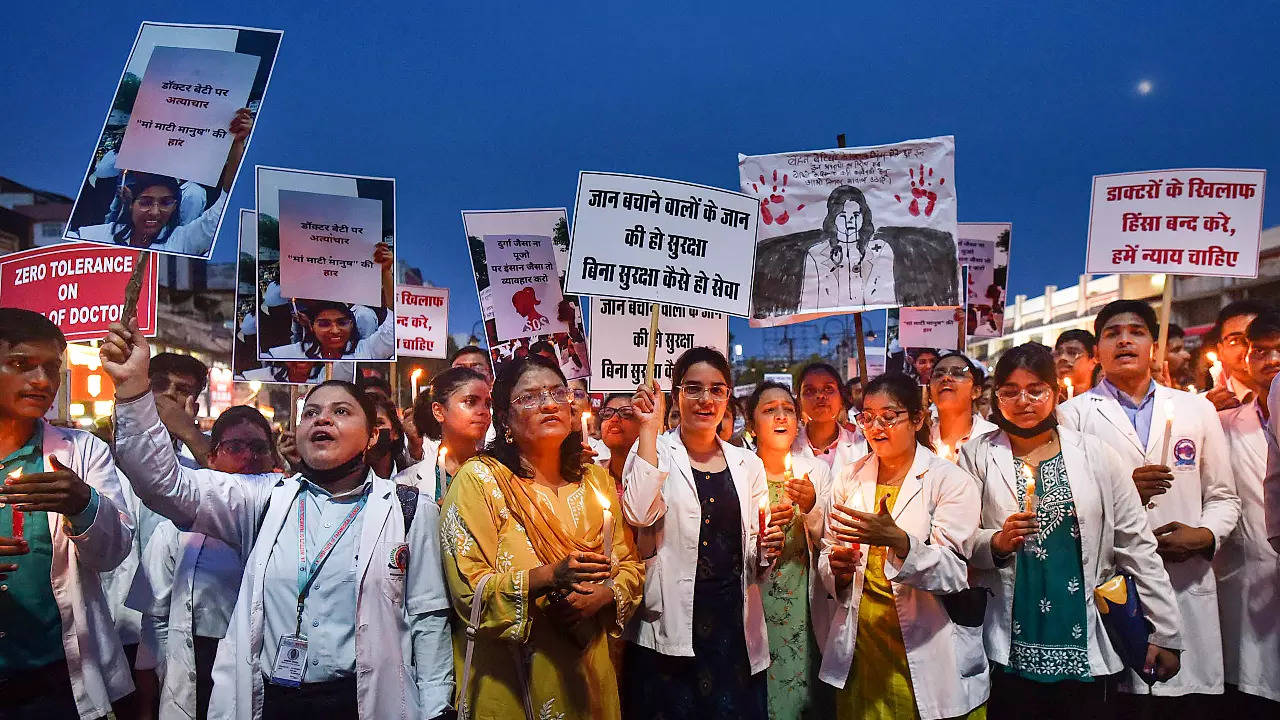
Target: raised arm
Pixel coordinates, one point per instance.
(645, 472)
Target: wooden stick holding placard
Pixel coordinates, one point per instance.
(857, 319)
(653, 344)
(134, 288)
(1166, 302)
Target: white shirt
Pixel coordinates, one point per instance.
(195, 238)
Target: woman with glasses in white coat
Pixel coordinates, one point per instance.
(342, 610)
(893, 549)
(699, 647)
(1051, 655)
(956, 384)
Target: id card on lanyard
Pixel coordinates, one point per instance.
(291, 651)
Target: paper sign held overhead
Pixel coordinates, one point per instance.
(620, 339)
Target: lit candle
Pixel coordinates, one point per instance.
(1030, 487)
(764, 523)
(944, 451)
(787, 476)
(606, 531)
(1215, 369)
(1071, 388)
(586, 431)
(413, 381)
(441, 487)
(1168, 432)
(18, 519)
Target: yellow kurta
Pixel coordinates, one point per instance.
(570, 673)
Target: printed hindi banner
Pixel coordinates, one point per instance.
(568, 347)
(326, 247)
(619, 341)
(524, 285)
(245, 365)
(171, 146)
(326, 259)
(665, 241)
(983, 249)
(930, 328)
(853, 229)
(422, 324)
(80, 287)
(1181, 222)
(184, 106)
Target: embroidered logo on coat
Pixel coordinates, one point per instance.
(398, 561)
(1184, 452)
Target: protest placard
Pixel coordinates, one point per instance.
(930, 328)
(171, 145)
(79, 286)
(524, 286)
(983, 248)
(422, 321)
(619, 341)
(783, 378)
(567, 347)
(665, 241)
(853, 229)
(318, 235)
(326, 247)
(245, 365)
(1182, 222)
(875, 363)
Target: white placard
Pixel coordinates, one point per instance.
(524, 287)
(875, 363)
(1181, 222)
(853, 229)
(619, 341)
(784, 378)
(422, 321)
(930, 328)
(984, 249)
(179, 122)
(666, 241)
(326, 247)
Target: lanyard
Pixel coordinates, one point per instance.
(307, 573)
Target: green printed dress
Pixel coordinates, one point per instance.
(793, 652)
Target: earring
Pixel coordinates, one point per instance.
(506, 433)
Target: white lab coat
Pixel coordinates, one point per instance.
(1114, 535)
(1203, 495)
(95, 658)
(850, 446)
(1271, 483)
(938, 508)
(980, 426)
(661, 503)
(1246, 566)
(241, 509)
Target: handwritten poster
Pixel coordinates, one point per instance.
(619, 341)
(326, 246)
(179, 122)
(1182, 222)
(666, 241)
(524, 286)
(422, 323)
(983, 250)
(853, 229)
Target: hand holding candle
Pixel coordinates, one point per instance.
(1167, 406)
(1215, 367)
(1070, 386)
(18, 515)
(1029, 488)
(441, 486)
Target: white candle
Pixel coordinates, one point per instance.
(1071, 389)
(764, 524)
(1215, 369)
(413, 382)
(440, 473)
(1168, 433)
(1029, 487)
(18, 519)
(586, 433)
(606, 531)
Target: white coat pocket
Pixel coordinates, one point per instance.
(971, 658)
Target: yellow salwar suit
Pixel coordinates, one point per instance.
(570, 674)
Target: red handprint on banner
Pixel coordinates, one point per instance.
(920, 190)
(775, 197)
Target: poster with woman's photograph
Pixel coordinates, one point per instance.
(853, 229)
(326, 266)
(246, 367)
(566, 347)
(984, 252)
(174, 138)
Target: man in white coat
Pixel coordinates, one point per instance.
(1175, 445)
(62, 521)
(1234, 387)
(1246, 566)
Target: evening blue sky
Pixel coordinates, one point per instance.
(483, 106)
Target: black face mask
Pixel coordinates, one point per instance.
(1040, 428)
(323, 477)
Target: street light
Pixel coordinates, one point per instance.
(824, 340)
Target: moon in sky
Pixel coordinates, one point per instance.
(1145, 87)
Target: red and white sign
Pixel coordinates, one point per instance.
(422, 321)
(79, 286)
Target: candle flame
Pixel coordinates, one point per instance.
(1067, 381)
(417, 373)
(440, 455)
(602, 499)
(1212, 357)
(944, 451)
(764, 504)
(15, 474)
(786, 464)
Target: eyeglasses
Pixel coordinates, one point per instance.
(955, 373)
(626, 412)
(341, 323)
(254, 447)
(1009, 395)
(812, 393)
(886, 419)
(1263, 352)
(1071, 354)
(146, 203)
(560, 395)
(1235, 340)
(697, 391)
